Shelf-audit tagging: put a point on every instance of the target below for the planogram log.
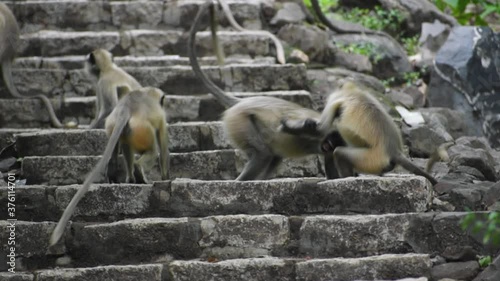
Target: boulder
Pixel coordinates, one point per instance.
(466, 78)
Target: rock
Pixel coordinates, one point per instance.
(456, 270)
(460, 254)
(355, 62)
(466, 78)
(419, 99)
(311, 40)
(388, 57)
(417, 12)
(289, 13)
(432, 37)
(473, 152)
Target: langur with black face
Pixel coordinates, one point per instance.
(374, 142)
(138, 124)
(110, 79)
(9, 41)
(252, 124)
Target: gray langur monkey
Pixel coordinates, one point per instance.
(110, 78)
(374, 142)
(138, 123)
(252, 124)
(9, 41)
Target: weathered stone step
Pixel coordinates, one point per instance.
(207, 165)
(120, 15)
(32, 113)
(195, 198)
(174, 80)
(251, 269)
(184, 137)
(231, 236)
(139, 42)
(77, 62)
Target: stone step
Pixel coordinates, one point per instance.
(196, 198)
(31, 113)
(206, 165)
(227, 237)
(139, 42)
(251, 269)
(184, 137)
(77, 62)
(121, 15)
(174, 80)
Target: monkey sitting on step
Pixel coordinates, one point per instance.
(111, 78)
(374, 142)
(138, 123)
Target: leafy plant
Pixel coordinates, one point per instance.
(362, 48)
(485, 261)
(377, 19)
(411, 77)
(490, 226)
(465, 16)
(410, 44)
(325, 5)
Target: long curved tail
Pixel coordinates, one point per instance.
(280, 52)
(7, 78)
(408, 165)
(223, 98)
(101, 165)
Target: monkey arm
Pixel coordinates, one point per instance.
(300, 127)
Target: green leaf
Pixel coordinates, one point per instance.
(489, 9)
(485, 261)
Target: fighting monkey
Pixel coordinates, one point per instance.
(374, 142)
(138, 123)
(251, 124)
(111, 78)
(9, 40)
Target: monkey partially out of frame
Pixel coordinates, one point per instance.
(138, 123)
(252, 124)
(9, 41)
(110, 78)
(374, 142)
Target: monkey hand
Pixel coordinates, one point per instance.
(299, 127)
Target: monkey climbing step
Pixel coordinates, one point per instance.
(250, 269)
(121, 15)
(236, 236)
(174, 80)
(197, 198)
(30, 113)
(139, 42)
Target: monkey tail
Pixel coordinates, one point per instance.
(219, 52)
(440, 154)
(101, 165)
(7, 78)
(280, 53)
(223, 98)
(408, 165)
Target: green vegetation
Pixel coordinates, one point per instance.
(485, 261)
(489, 226)
(464, 15)
(377, 19)
(326, 5)
(363, 48)
(410, 44)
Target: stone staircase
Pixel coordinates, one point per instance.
(201, 225)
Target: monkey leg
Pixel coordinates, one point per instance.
(254, 167)
(112, 168)
(128, 153)
(331, 171)
(271, 168)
